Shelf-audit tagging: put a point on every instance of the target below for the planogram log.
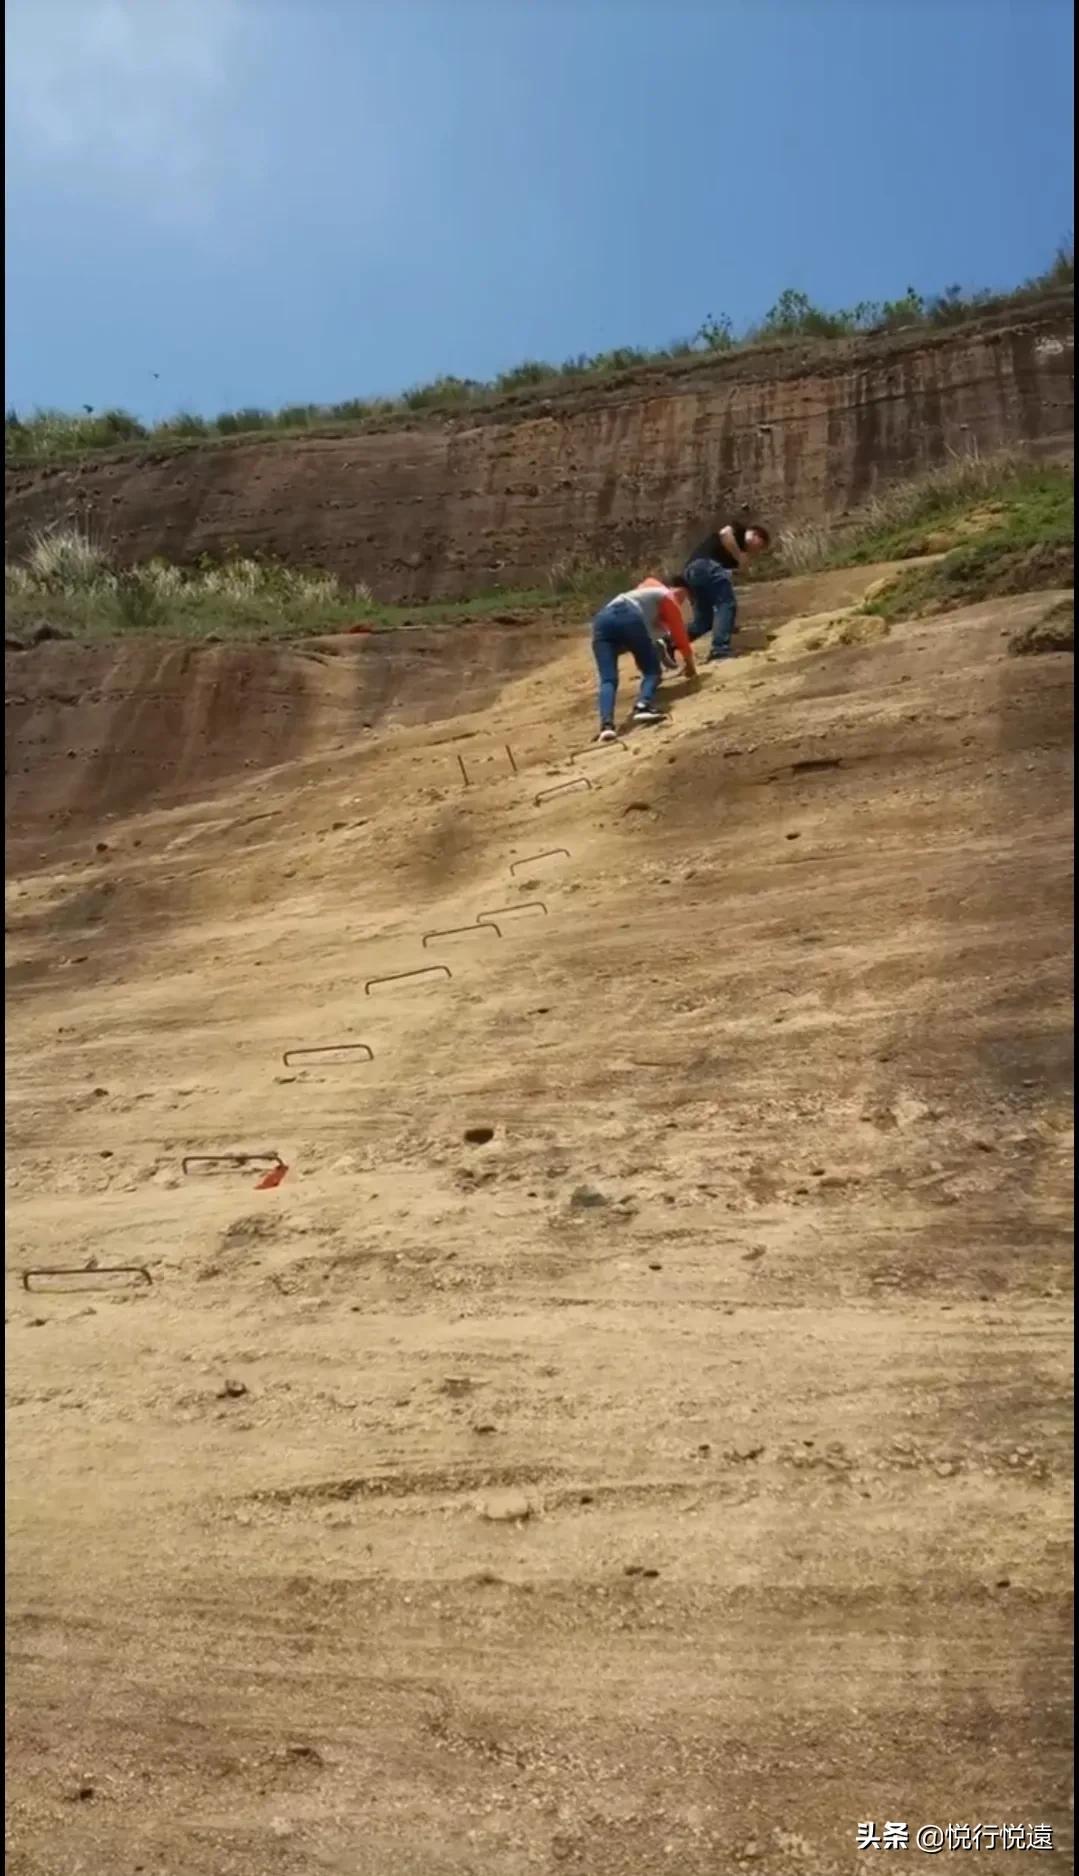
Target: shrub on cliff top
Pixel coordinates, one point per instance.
(794, 318)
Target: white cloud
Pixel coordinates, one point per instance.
(129, 98)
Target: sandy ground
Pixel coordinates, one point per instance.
(670, 1482)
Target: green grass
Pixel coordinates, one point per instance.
(48, 435)
(1027, 544)
(68, 583)
(926, 514)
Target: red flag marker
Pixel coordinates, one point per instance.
(272, 1178)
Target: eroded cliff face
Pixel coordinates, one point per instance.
(625, 470)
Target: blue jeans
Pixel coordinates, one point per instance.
(618, 628)
(715, 607)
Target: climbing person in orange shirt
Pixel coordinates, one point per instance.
(634, 621)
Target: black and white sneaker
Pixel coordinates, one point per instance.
(608, 734)
(648, 713)
(665, 648)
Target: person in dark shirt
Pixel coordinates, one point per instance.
(707, 579)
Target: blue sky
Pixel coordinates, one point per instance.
(267, 201)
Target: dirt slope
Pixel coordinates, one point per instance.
(98, 729)
(671, 1482)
